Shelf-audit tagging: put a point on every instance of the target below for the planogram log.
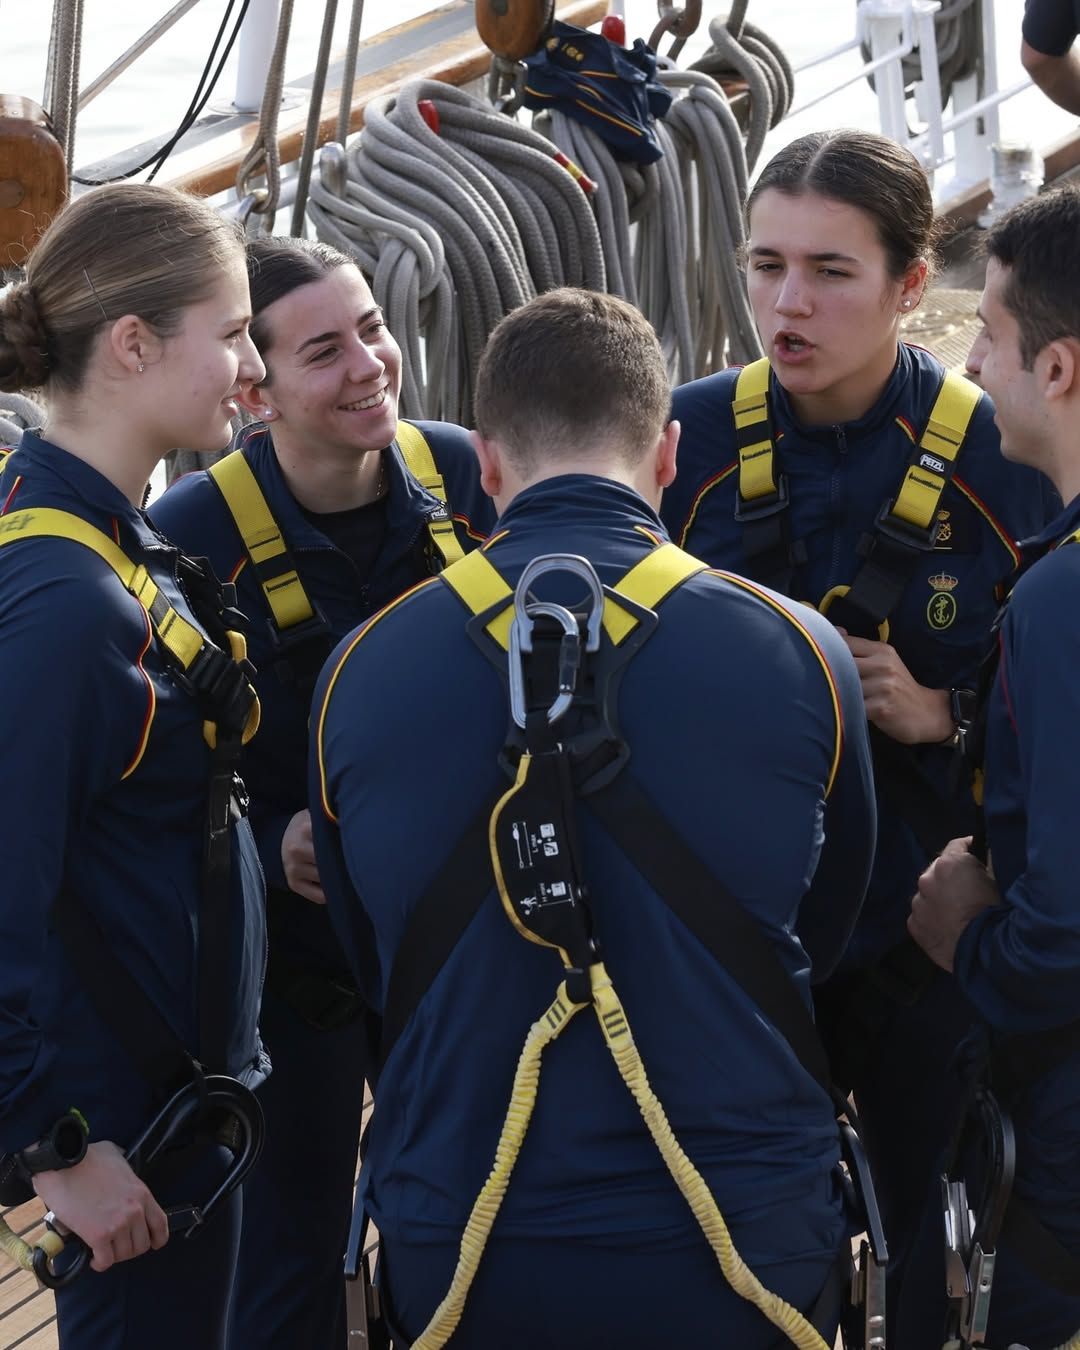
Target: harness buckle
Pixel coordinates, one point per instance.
(222, 686)
(301, 649)
(899, 531)
(769, 504)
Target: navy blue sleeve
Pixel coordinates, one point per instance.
(1019, 962)
(1051, 26)
(831, 906)
(706, 448)
(76, 705)
(350, 922)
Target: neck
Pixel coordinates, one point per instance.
(600, 467)
(850, 400)
(326, 482)
(107, 443)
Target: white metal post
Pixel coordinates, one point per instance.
(976, 135)
(883, 23)
(257, 38)
(928, 90)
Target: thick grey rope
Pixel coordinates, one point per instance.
(311, 131)
(264, 155)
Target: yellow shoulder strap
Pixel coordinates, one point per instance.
(480, 586)
(1073, 538)
(265, 545)
(757, 476)
(183, 640)
(931, 468)
(421, 464)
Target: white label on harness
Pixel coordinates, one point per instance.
(932, 462)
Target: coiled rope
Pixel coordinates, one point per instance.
(616, 1030)
(475, 218)
(958, 34)
(742, 51)
(17, 413)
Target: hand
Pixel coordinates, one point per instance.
(298, 859)
(102, 1201)
(903, 709)
(952, 891)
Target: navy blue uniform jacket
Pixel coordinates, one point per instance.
(1019, 963)
(839, 477)
(193, 512)
(105, 792)
(740, 711)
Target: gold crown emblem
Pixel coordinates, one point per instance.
(944, 582)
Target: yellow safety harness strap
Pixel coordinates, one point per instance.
(757, 476)
(481, 587)
(420, 462)
(263, 541)
(185, 643)
(932, 464)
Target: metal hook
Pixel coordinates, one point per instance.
(526, 613)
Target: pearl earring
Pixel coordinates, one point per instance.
(907, 304)
(268, 412)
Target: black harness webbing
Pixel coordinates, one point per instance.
(651, 843)
(906, 526)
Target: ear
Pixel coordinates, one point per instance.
(134, 344)
(666, 448)
(914, 285)
(256, 399)
(1057, 368)
(491, 474)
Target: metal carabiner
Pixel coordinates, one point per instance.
(527, 611)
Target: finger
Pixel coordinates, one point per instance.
(103, 1256)
(123, 1243)
(858, 646)
(958, 847)
(310, 891)
(157, 1223)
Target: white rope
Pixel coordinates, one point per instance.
(17, 413)
(264, 156)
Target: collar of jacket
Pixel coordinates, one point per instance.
(56, 478)
(1066, 522)
(900, 395)
(577, 499)
(408, 504)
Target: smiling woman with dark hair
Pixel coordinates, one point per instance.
(363, 505)
(845, 469)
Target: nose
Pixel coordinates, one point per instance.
(252, 370)
(974, 361)
(793, 296)
(365, 364)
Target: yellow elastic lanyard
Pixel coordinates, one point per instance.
(263, 541)
(479, 584)
(421, 464)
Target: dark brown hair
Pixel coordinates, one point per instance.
(127, 248)
(569, 370)
(864, 170)
(278, 265)
(1038, 242)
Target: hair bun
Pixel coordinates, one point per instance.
(24, 341)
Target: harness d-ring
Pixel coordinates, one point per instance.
(527, 611)
(834, 594)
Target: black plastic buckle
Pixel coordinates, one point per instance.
(222, 686)
(900, 532)
(301, 650)
(760, 508)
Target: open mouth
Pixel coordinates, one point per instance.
(792, 343)
(366, 404)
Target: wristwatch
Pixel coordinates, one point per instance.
(63, 1145)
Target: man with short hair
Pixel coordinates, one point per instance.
(742, 716)
(1011, 935)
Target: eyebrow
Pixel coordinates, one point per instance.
(326, 337)
(760, 250)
